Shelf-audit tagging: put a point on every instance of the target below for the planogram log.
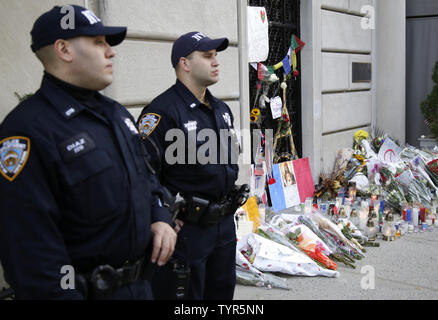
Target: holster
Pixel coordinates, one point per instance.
(204, 212)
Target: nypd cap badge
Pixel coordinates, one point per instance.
(148, 123)
(14, 152)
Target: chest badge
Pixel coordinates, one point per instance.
(191, 125)
(131, 126)
(14, 152)
(148, 123)
(227, 118)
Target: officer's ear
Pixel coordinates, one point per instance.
(184, 64)
(63, 49)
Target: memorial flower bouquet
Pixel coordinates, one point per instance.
(418, 162)
(340, 252)
(269, 256)
(393, 191)
(314, 249)
(246, 274)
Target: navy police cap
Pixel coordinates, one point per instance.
(71, 21)
(195, 41)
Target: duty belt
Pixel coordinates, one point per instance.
(104, 280)
(205, 212)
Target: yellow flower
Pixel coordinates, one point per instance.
(253, 118)
(255, 111)
(360, 135)
(360, 158)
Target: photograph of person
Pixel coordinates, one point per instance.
(286, 174)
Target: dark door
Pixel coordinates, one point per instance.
(284, 21)
(421, 56)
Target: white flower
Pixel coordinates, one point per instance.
(273, 78)
(283, 85)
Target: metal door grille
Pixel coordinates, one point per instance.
(284, 21)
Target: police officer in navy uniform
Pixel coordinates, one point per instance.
(206, 238)
(77, 193)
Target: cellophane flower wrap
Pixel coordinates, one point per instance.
(270, 256)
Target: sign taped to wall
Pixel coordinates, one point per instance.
(258, 34)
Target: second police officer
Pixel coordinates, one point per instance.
(206, 238)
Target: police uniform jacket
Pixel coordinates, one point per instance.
(178, 108)
(75, 190)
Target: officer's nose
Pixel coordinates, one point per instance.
(215, 62)
(110, 53)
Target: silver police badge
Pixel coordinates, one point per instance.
(14, 152)
(227, 118)
(148, 123)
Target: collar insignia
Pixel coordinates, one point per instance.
(70, 112)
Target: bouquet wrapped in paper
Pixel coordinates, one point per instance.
(269, 281)
(246, 274)
(418, 162)
(394, 194)
(305, 233)
(311, 245)
(339, 251)
(272, 233)
(330, 227)
(284, 220)
(355, 232)
(432, 170)
(267, 255)
(300, 240)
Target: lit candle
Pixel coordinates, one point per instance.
(386, 231)
(370, 230)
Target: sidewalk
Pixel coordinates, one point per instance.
(404, 269)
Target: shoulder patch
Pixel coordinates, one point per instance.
(14, 152)
(148, 123)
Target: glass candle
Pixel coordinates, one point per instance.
(370, 230)
(363, 215)
(423, 214)
(388, 230)
(347, 207)
(415, 212)
(308, 204)
(354, 219)
(409, 215)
